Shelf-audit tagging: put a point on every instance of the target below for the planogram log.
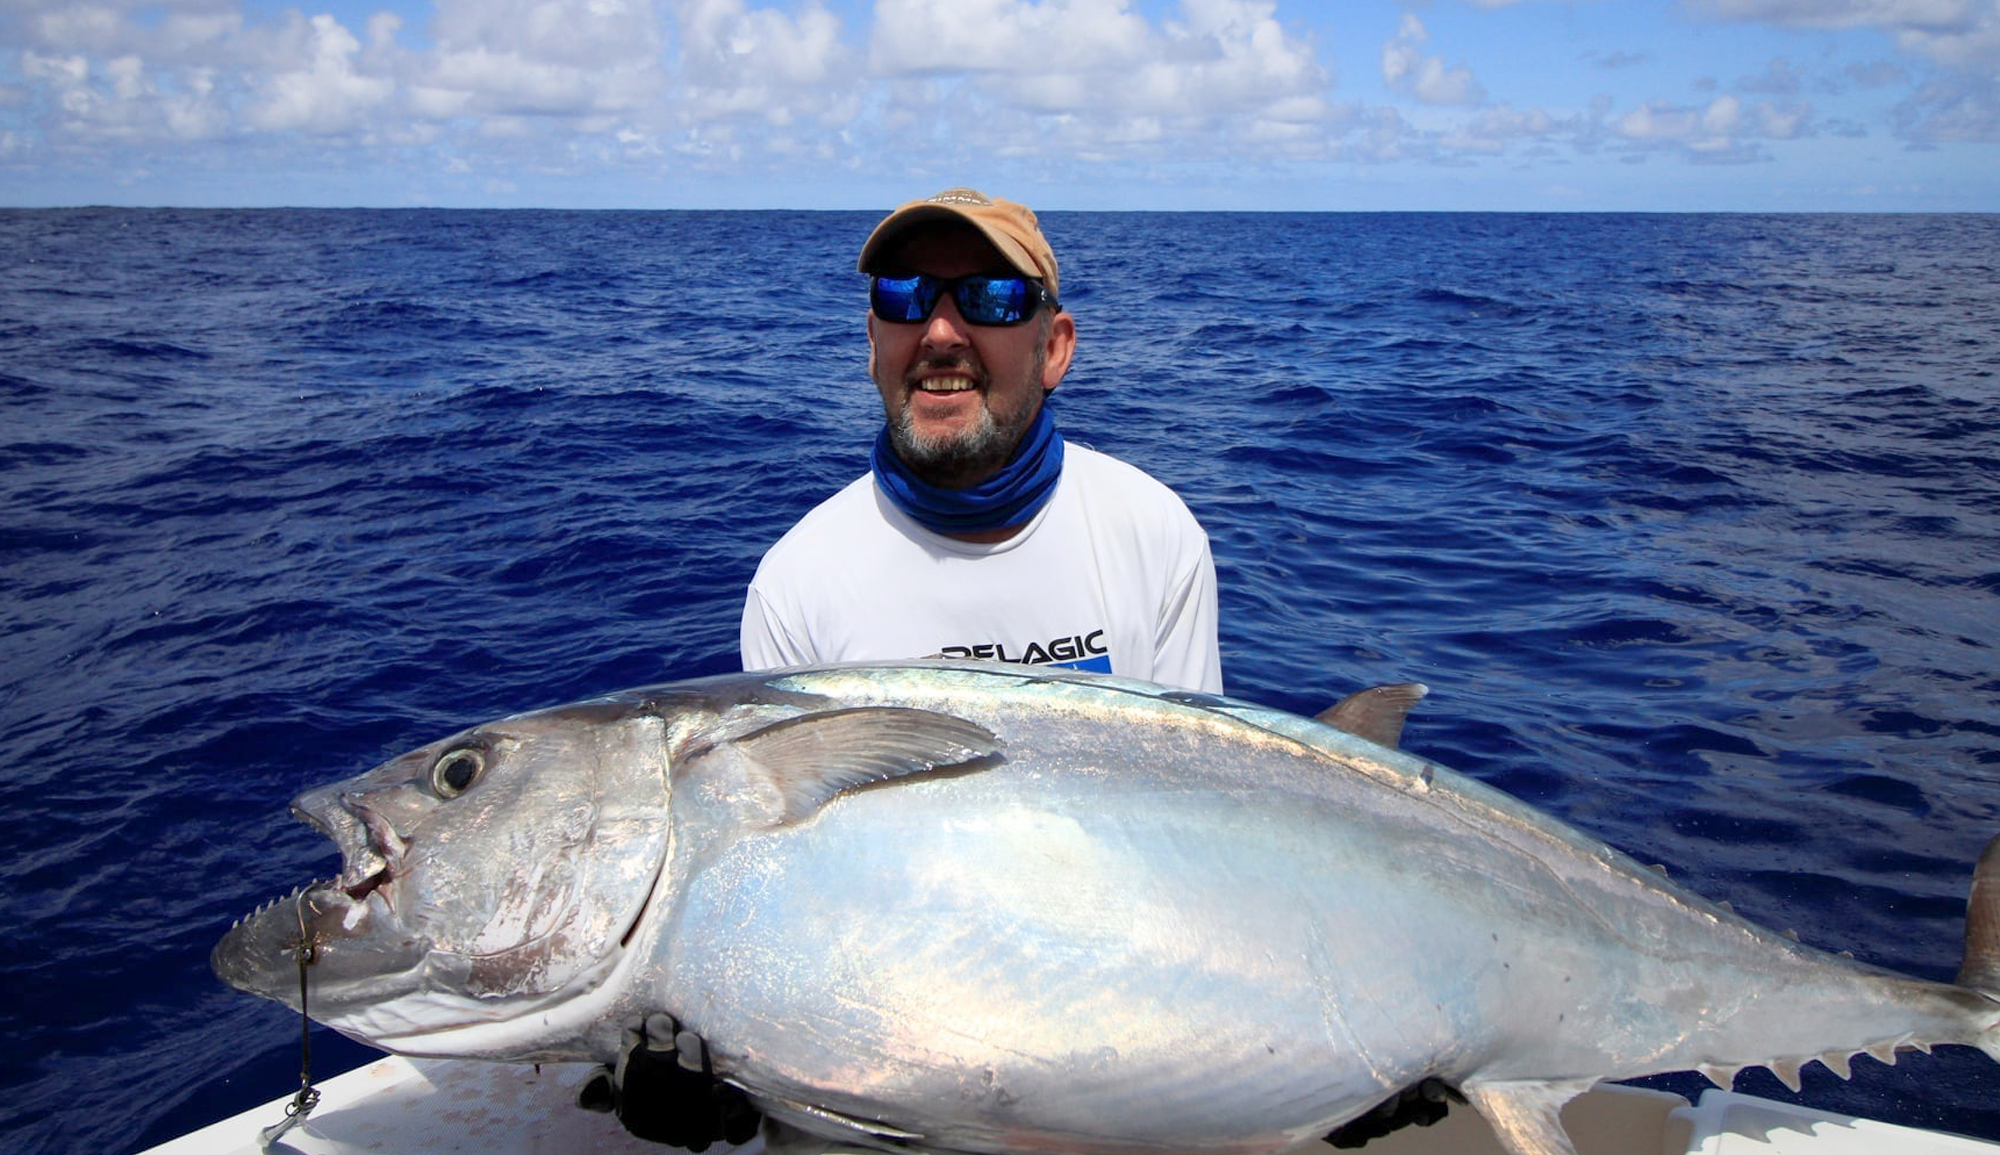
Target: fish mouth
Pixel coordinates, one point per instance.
(372, 852)
(346, 931)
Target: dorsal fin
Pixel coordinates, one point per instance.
(811, 758)
(1981, 968)
(1376, 713)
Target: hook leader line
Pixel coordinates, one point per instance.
(308, 1096)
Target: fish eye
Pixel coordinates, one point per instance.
(456, 770)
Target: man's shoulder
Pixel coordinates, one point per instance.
(855, 499)
(847, 512)
(1099, 470)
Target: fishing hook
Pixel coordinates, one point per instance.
(308, 1096)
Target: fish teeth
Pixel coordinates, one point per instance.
(269, 903)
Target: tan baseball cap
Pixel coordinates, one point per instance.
(1011, 228)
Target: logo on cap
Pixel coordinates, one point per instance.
(960, 196)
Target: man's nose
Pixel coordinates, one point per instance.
(945, 328)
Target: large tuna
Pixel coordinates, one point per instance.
(989, 909)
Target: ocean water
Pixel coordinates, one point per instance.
(1691, 523)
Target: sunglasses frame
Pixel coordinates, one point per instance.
(957, 289)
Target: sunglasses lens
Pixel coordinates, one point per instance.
(902, 299)
(994, 300)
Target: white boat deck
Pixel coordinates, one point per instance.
(460, 1107)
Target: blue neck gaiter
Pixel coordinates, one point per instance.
(1003, 501)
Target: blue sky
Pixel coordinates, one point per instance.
(1786, 105)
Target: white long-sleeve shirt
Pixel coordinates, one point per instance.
(1113, 574)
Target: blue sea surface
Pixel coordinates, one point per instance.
(1691, 523)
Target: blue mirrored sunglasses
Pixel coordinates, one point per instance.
(981, 299)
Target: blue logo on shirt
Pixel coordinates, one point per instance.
(1097, 665)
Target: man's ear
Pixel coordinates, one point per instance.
(1057, 349)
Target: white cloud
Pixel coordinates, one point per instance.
(1238, 54)
(1492, 131)
(62, 72)
(174, 29)
(1959, 109)
(1612, 61)
(540, 57)
(1846, 13)
(581, 34)
(764, 64)
(921, 37)
(1377, 135)
(91, 27)
(724, 42)
(1100, 62)
(1406, 70)
(120, 101)
(465, 92)
(1092, 82)
(1959, 34)
(1779, 78)
(322, 92)
(1962, 37)
(1726, 130)
(1872, 74)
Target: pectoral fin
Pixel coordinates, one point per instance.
(809, 759)
(1527, 1116)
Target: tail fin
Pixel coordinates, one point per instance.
(1981, 968)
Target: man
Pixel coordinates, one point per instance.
(980, 533)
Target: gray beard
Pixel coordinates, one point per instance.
(966, 460)
(958, 461)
